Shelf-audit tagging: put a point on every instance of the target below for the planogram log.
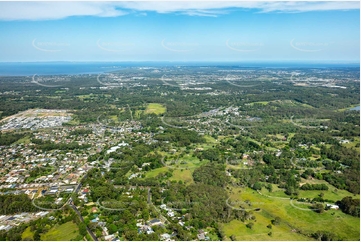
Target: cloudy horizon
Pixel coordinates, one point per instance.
(180, 31)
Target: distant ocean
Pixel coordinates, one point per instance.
(75, 68)
(55, 68)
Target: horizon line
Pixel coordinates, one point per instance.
(193, 61)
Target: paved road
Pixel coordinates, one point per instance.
(173, 126)
(107, 126)
(81, 219)
(302, 126)
(70, 202)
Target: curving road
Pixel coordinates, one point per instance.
(302, 126)
(173, 126)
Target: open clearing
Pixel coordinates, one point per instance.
(259, 232)
(354, 144)
(182, 175)
(156, 172)
(292, 217)
(155, 108)
(283, 102)
(67, 232)
(27, 234)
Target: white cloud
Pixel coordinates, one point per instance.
(58, 10)
(308, 6)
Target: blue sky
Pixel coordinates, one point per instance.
(180, 31)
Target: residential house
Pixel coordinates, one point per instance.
(154, 222)
(164, 236)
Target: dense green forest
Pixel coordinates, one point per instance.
(10, 204)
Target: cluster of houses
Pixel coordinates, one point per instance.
(17, 174)
(170, 212)
(37, 122)
(114, 148)
(9, 221)
(58, 171)
(101, 224)
(202, 235)
(204, 122)
(147, 228)
(221, 112)
(17, 161)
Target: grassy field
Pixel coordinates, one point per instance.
(256, 141)
(181, 172)
(27, 234)
(67, 231)
(137, 113)
(275, 193)
(156, 108)
(25, 140)
(210, 139)
(182, 175)
(292, 217)
(191, 163)
(114, 118)
(303, 104)
(263, 103)
(306, 105)
(332, 193)
(238, 166)
(290, 136)
(283, 102)
(259, 231)
(205, 146)
(155, 172)
(352, 145)
(73, 122)
(276, 137)
(82, 97)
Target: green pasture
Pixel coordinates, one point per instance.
(67, 232)
(292, 218)
(156, 108)
(27, 234)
